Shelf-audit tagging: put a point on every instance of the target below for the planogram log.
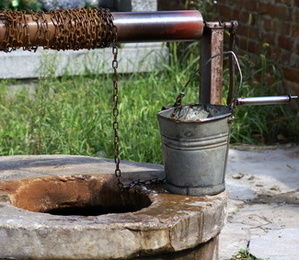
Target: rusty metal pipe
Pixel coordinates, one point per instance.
(32, 30)
(139, 26)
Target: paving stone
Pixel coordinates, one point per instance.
(279, 167)
(277, 244)
(141, 5)
(137, 5)
(264, 203)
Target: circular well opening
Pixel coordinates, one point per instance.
(77, 195)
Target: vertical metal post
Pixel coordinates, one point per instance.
(212, 72)
(232, 41)
(231, 91)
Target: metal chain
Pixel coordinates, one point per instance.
(116, 140)
(115, 125)
(138, 182)
(115, 111)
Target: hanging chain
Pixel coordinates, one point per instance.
(115, 111)
(116, 139)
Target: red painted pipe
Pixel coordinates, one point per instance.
(159, 26)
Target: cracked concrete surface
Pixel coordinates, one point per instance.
(263, 209)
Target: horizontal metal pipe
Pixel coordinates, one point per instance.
(32, 31)
(159, 26)
(258, 101)
(137, 26)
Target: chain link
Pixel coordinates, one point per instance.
(138, 182)
(115, 110)
(115, 125)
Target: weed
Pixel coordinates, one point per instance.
(244, 255)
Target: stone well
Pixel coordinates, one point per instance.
(70, 207)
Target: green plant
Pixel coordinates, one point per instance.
(20, 5)
(4, 4)
(205, 6)
(244, 255)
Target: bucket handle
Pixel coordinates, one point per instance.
(232, 104)
(178, 102)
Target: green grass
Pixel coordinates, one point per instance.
(72, 115)
(244, 255)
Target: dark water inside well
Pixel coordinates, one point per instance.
(91, 210)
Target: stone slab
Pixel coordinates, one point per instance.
(28, 166)
(262, 183)
(141, 57)
(136, 5)
(141, 5)
(171, 223)
(269, 171)
(277, 244)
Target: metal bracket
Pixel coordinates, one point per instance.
(212, 74)
(221, 25)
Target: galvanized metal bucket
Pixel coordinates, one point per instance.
(195, 150)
